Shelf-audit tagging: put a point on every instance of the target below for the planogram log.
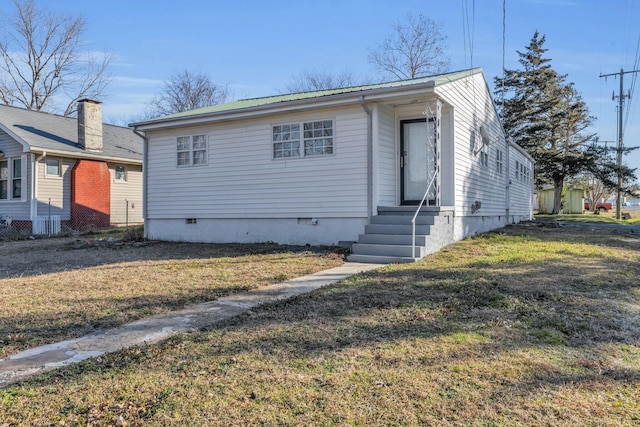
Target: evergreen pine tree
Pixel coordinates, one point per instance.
(546, 116)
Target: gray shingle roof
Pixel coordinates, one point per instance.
(50, 132)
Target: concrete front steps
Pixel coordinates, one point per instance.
(387, 239)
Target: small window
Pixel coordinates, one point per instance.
(484, 158)
(120, 173)
(517, 171)
(499, 162)
(52, 167)
(191, 150)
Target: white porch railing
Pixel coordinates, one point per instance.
(48, 225)
(415, 215)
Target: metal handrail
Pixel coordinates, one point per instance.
(415, 215)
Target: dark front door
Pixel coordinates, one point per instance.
(417, 161)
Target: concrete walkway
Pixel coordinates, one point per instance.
(157, 328)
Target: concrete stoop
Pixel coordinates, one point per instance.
(388, 237)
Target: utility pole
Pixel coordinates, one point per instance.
(620, 148)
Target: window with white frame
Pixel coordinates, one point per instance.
(16, 181)
(119, 173)
(484, 157)
(10, 179)
(316, 139)
(191, 150)
(499, 162)
(52, 167)
(4, 179)
(523, 173)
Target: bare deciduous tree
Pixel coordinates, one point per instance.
(186, 91)
(415, 48)
(41, 62)
(317, 80)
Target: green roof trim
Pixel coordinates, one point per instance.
(277, 99)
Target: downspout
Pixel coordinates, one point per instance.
(145, 151)
(369, 156)
(33, 209)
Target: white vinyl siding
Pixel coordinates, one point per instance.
(126, 194)
(19, 209)
(522, 187)
(54, 194)
(386, 175)
(475, 182)
(243, 181)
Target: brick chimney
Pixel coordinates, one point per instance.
(90, 125)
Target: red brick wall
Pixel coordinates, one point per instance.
(90, 194)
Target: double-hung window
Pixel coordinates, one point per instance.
(10, 179)
(484, 157)
(191, 150)
(499, 162)
(316, 139)
(4, 179)
(16, 181)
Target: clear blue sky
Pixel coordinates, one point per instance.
(257, 46)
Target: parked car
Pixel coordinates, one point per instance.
(601, 206)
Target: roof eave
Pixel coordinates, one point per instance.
(85, 155)
(325, 101)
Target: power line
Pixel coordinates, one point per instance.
(621, 97)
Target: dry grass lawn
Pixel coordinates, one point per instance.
(524, 327)
(55, 289)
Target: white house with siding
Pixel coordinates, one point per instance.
(61, 170)
(347, 165)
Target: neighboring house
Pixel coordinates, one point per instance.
(339, 166)
(572, 200)
(80, 172)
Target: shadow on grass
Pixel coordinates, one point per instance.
(543, 304)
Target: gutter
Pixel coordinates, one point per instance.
(145, 151)
(288, 106)
(85, 155)
(369, 156)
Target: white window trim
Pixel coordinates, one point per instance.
(126, 175)
(191, 150)
(301, 140)
(46, 172)
(10, 178)
(484, 157)
(499, 162)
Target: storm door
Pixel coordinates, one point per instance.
(418, 161)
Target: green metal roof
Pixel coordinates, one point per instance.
(277, 99)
